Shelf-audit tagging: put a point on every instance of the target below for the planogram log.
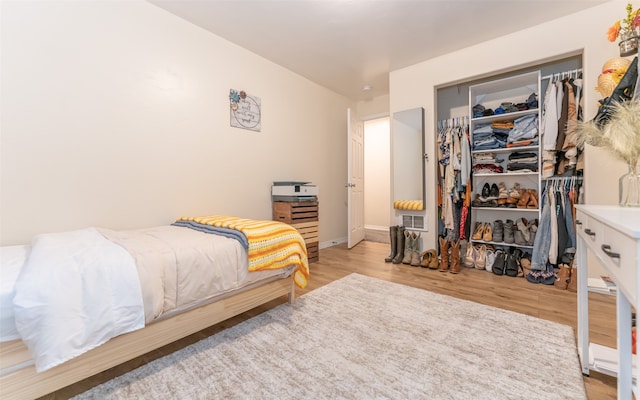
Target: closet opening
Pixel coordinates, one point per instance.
(506, 148)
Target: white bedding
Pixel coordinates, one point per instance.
(76, 291)
(177, 269)
(12, 259)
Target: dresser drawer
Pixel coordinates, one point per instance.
(620, 254)
(616, 251)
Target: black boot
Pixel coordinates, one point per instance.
(393, 235)
(399, 245)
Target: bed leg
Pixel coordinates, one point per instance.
(292, 293)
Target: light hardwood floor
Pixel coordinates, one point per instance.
(367, 258)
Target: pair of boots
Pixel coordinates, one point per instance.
(397, 236)
(449, 256)
(411, 249)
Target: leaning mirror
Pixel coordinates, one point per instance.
(407, 130)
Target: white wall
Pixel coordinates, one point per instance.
(116, 114)
(377, 179)
(583, 32)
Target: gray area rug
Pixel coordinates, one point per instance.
(364, 338)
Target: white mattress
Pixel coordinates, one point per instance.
(12, 259)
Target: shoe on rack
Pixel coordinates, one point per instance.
(533, 199)
(515, 192)
(491, 258)
(487, 235)
(524, 228)
(481, 259)
(470, 256)
(502, 191)
(494, 192)
(512, 265)
(499, 262)
(524, 199)
(497, 230)
(486, 191)
(517, 255)
(508, 231)
(478, 232)
(533, 229)
(525, 263)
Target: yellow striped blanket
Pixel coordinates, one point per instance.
(272, 244)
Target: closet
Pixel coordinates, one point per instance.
(507, 174)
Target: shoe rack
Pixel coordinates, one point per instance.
(485, 209)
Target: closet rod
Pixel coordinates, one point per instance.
(558, 74)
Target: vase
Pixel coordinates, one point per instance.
(629, 187)
(628, 43)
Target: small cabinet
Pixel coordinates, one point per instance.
(304, 217)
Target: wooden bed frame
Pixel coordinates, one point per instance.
(26, 383)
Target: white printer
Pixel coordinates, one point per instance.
(294, 191)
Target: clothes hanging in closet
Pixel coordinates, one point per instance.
(562, 109)
(555, 242)
(454, 178)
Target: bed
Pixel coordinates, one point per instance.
(122, 294)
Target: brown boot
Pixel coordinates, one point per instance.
(444, 255)
(455, 257)
(573, 282)
(563, 277)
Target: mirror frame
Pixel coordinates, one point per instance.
(411, 119)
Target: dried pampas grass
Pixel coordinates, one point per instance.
(621, 135)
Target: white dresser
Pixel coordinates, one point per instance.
(612, 235)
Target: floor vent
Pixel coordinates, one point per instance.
(413, 222)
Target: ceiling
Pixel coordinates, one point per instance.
(345, 45)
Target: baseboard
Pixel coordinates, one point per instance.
(334, 242)
(372, 233)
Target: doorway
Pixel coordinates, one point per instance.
(377, 179)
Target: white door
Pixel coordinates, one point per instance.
(355, 182)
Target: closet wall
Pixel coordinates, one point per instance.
(546, 43)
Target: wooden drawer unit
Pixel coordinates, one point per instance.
(304, 217)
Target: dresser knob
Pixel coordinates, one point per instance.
(607, 250)
(590, 232)
(578, 222)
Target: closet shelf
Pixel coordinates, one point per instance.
(504, 117)
(492, 175)
(504, 209)
(502, 244)
(507, 149)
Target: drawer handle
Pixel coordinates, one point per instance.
(578, 222)
(590, 232)
(607, 250)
